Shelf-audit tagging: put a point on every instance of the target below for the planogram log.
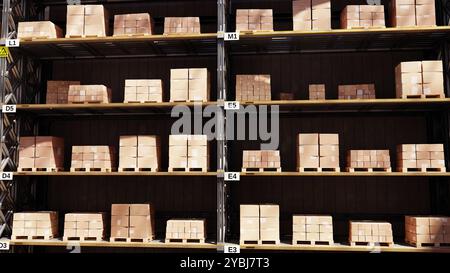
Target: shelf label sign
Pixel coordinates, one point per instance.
(8, 108)
(6, 176)
(231, 36)
(231, 105)
(4, 52)
(12, 43)
(232, 249)
(4, 245)
(232, 176)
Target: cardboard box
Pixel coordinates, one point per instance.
(249, 211)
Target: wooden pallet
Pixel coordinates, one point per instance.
(260, 170)
(188, 170)
(47, 237)
(421, 244)
(184, 241)
(130, 240)
(85, 102)
(127, 170)
(254, 31)
(45, 170)
(424, 96)
(370, 27)
(83, 239)
(423, 170)
(369, 170)
(35, 38)
(371, 244)
(133, 35)
(193, 101)
(85, 36)
(312, 243)
(142, 101)
(88, 170)
(259, 242)
(319, 169)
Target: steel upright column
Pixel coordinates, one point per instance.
(221, 125)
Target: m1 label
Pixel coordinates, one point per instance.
(6, 176)
(4, 245)
(8, 108)
(232, 249)
(231, 105)
(12, 43)
(232, 176)
(231, 36)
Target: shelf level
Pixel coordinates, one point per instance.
(346, 248)
(115, 174)
(106, 108)
(112, 47)
(153, 244)
(347, 174)
(340, 40)
(368, 105)
(212, 246)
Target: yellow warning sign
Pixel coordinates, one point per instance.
(3, 52)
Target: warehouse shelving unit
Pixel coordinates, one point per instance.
(295, 59)
(27, 68)
(192, 191)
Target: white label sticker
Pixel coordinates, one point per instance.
(6, 176)
(231, 105)
(232, 249)
(232, 176)
(8, 108)
(12, 42)
(231, 36)
(4, 245)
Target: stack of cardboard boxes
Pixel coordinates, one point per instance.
(261, 160)
(259, 224)
(143, 91)
(427, 230)
(136, 24)
(419, 79)
(181, 25)
(87, 21)
(189, 84)
(41, 153)
(58, 91)
(317, 92)
(35, 225)
(186, 231)
(254, 19)
(139, 153)
(84, 226)
(420, 156)
(356, 91)
(405, 13)
(132, 222)
(312, 229)
(363, 16)
(89, 94)
(371, 233)
(188, 153)
(368, 159)
(38, 30)
(253, 88)
(87, 158)
(311, 14)
(318, 152)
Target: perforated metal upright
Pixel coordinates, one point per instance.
(221, 126)
(19, 78)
